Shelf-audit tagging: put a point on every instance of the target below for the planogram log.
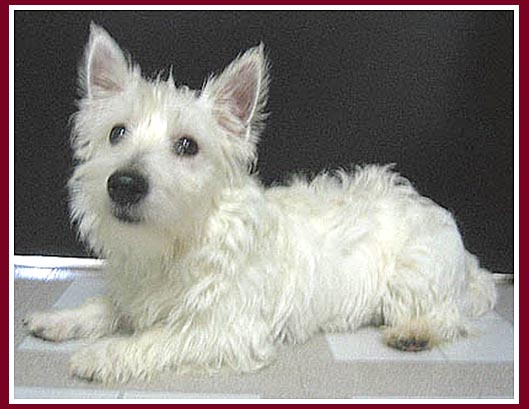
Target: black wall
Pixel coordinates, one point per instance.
(431, 91)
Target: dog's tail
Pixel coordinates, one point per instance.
(481, 290)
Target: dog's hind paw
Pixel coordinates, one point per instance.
(409, 344)
(413, 336)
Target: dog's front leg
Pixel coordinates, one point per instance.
(119, 359)
(160, 348)
(95, 318)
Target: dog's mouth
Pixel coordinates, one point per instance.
(126, 214)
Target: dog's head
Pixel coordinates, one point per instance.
(153, 158)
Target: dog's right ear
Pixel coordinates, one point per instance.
(105, 68)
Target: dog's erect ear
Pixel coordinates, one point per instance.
(240, 92)
(105, 69)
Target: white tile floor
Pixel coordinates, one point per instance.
(493, 343)
(334, 365)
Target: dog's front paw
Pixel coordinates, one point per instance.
(51, 326)
(104, 362)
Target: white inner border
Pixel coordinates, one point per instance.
(515, 9)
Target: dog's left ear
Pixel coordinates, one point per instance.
(240, 92)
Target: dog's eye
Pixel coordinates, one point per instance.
(186, 146)
(116, 134)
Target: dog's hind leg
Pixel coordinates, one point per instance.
(422, 294)
(94, 319)
(419, 315)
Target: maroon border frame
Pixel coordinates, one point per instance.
(523, 110)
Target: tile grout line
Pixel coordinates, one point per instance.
(301, 381)
(64, 292)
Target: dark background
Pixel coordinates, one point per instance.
(430, 91)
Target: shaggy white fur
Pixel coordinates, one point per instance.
(208, 269)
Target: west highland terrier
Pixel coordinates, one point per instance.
(207, 269)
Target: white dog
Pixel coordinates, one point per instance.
(208, 269)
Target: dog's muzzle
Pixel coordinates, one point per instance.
(126, 189)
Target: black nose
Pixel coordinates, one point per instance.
(127, 187)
